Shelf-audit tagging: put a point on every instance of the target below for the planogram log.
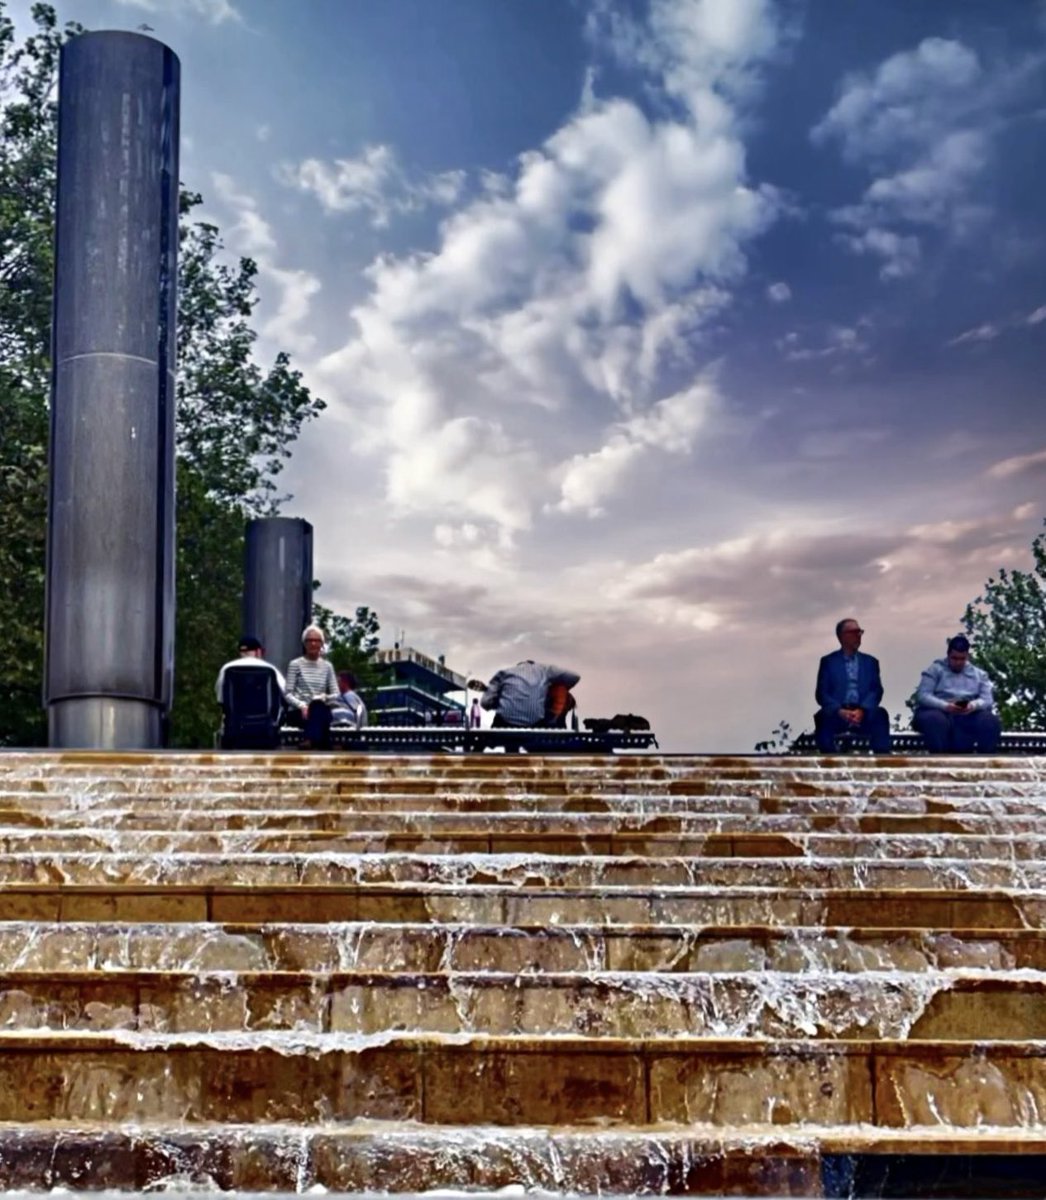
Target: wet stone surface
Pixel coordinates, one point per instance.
(646, 974)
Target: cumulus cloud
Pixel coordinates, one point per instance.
(778, 293)
(213, 11)
(373, 183)
(252, 235)
(551, 338)
(671, 426)
(1036, 317)
(922, 123)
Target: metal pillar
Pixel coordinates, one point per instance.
(110, 546)
(277, 592)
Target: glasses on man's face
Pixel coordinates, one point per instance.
(853, 629)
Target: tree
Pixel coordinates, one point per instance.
(351, 641)
(236, 420)
(27, 176)
(236, 424)
(1007, 628)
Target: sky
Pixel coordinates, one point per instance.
(656, 336)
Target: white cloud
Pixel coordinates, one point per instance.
(538, 349)
(990, 330)
(839, 341)
(922, 124)
(252, 235)
(1018, 465)
(904, 104)
(900, 254)
(987, 332)
(214, 11)
(671, 426)
(778, 293)
(373, 183)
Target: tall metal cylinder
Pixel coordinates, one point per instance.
(110, 548)
(277, 592)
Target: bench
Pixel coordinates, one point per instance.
(911, 743)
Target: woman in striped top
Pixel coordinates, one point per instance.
(310, 681)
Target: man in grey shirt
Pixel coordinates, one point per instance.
(518, 695)
(955, 704)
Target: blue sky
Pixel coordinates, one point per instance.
(656, 336)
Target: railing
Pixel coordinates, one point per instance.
(429, 738)
(1033, 742)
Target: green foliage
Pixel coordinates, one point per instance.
(1007, 628)
(27, 151)
(236, 423)
(209, 574)
(236, 420)
(350, 643)
(780, 740)
(235, 426)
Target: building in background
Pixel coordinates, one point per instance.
(417, 690)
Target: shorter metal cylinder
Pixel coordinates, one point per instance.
(277, 593)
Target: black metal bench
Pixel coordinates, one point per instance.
(911, 743)
(427, 739)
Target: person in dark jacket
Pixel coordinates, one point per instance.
(849, 694)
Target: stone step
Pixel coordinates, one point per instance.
(375, 1157)
(128, 1076)
(599, 770)
(570, 838)
(370, 946)
(955, 1005)
(548, 770)
(336, 821)
(988, 909)
(17, 809)
(607, 873)
(160, 763)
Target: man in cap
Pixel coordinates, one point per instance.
(252, 654)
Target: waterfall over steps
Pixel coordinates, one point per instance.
(651, 974)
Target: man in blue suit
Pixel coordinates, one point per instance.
(849, 693)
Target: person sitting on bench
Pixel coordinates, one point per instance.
(350, 709)
(250, 691)
(849, 694)
(955, 704)
(311, 688)
(530, 695)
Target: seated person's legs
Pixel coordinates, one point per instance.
(935, 727)
(317, 726)
(827, 727)
(987, 729)
(876, 727)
